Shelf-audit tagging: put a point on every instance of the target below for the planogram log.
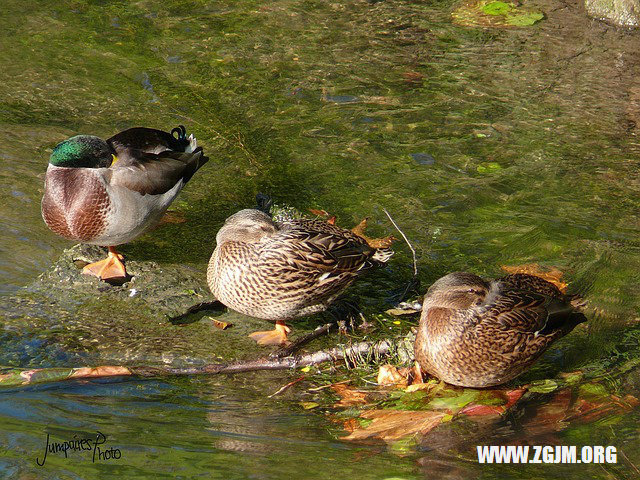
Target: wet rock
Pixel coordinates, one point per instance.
(624, 13)
(65, 318)
(423, 158)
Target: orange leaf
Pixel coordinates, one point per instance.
(553, 275)
(481, 410)
(384, 242)
(319, 213)
(349, 396)
(389, 375)
(221, 325)
(389, 425)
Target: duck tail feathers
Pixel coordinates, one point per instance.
(382, 255)
(577, 301)
(198, 159)
(192, 145)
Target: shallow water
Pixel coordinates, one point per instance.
(489, 148)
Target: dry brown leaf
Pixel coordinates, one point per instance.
(390, 425)
(349, 396)
(350, 424)
(390, 375)
(360, 228)
(383, 242)
(551, 416)
(331, 219)
(553, 275)
(414, 387)
(413, 77)
(173, 217)
(221, 325)
(319, 213)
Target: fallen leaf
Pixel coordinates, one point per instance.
(383, 242)
(221, 325)
(389, 375)
(349, 396)
(350, 424)
(173, 217)
(360, 228)
(419, 386)
(543, 386)
(309, 405)
(331, 219)
(485, 406)
(391, 425)
(319, 213)
(551, 416)
(413, 77)
(553, 275)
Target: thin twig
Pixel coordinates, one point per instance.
(629, 461)
(293, 347)
(283, 388)
(317, 389)
(413, 252)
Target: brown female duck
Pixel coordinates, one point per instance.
(109, 192)
(280, 271)
(479, 333)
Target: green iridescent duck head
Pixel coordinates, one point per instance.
(82, 151)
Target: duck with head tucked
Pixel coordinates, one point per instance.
(479, 333)
(110, 192)
(281, 271)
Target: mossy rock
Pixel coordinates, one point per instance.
(65, 318)
(624, 13)
(495, 13)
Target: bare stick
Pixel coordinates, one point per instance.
(413, 252)
(293, 347)
(350, 355)
(285, 387)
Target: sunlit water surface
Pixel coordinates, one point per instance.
(489, 148)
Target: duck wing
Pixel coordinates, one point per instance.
(532, 312)
(315, 245)
(155, 174)
(150, 140)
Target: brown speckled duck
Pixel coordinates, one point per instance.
(109, 192)
(479, 333)
(280, 271)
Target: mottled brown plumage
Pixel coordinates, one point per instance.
(280, 271)
(478, 333)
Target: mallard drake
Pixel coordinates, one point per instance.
(280, 271)
(109, 192)
(479, 333)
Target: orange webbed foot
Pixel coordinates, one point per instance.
(277, 336)
(111, 268)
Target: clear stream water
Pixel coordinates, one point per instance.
(488, 146)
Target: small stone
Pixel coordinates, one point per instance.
(423, 158)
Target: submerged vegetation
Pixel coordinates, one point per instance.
(488, 146)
